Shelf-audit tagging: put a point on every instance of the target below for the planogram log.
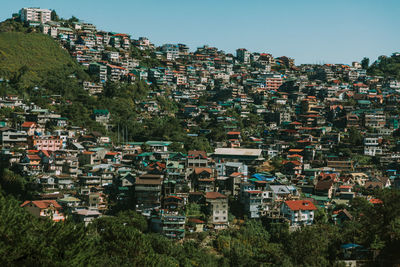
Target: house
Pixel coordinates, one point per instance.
(238, 155)
(31, 128)
(324, 187)
(358, 178)
(173, 203)
(217, 209)
(168, 223)
(11, 137)
(85, 215)
(197, 159)
(101, 116)
(252, 203)
(44, 209)
(196, 225)
(203, 179)
(298, 212)
(45, 142)
(148, 191)
(341, 216)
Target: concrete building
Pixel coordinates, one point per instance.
(148, 191)
(47, 142)
(217, 207)
(169, 224)
(35, 14)
(298, 212)
(243, 55)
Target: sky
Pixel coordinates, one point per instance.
(310, 31)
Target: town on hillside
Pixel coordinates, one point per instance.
(285, 142)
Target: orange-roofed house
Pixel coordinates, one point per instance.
(44, 208)
(196, 158)
(29, 127)
(296, 157)
(298, 212)
(375, 201)
(295, 151)
(217, 209)
(233, 135)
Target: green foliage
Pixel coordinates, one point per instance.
(122, 240)
(14, 184)
(11, 25)
(28, 59)
(365, 63)
(108, 241)
(386, 66)
(54, 16)
(314, 246)
(355, 137)
(147, 58)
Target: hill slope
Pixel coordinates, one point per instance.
(386, 66)
(32, 56)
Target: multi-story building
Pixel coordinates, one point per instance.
(252, 203)
(35, 15)
(115, 73)
(171, 51)
(217, 207)
(197, 159)
(10, 137)
(298, 212)
(243, 55)
(100, 70)
(375, 120)
(148, 191)
(340, 164)
(273, 81)
(169, 224)
(46, 142)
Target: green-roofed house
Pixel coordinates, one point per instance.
(158, 146)
(101, 116)
(69, 201)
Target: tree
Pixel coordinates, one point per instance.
(54, 16)
(355, 137)
(365, 63)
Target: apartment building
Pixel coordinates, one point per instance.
(243, 55)
(35, 14)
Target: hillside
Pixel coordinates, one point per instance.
(386, 66)
(32, 56)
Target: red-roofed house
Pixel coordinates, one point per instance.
(29, 127)
(298, 212)
(44, 208)
(197, 158)
(375, 201)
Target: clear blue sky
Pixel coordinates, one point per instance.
(311, 31)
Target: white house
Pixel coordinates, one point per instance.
(298, 212)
